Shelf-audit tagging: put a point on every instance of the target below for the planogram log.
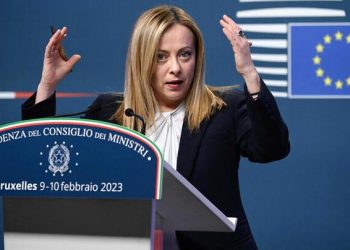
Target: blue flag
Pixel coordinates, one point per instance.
(319, 60)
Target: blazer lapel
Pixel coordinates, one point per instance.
(189, 147)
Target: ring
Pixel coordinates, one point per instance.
(241, 33)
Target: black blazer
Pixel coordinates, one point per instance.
(209, 158)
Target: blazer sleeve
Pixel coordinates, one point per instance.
(262, 134)
(102, 108)
(46, 108)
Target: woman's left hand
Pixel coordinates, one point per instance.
(241, 50)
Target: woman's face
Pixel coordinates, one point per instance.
(175, 67)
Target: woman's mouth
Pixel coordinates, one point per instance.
(174, 83)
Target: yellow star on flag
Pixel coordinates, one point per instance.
(327, 81)
(339, 84)
(320, 47)
(327, 39)
(317, 60)
(348, 39)
(319, 72)
(348, 81)
(338, 36)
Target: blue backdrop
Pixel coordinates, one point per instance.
(301, 202)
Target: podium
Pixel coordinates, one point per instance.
(83, 184)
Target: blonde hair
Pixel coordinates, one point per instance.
(201, 102)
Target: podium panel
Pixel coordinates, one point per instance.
(77, 158)
(67, 223)
(99, 217)
(20, 241)
(74, 182)
(77, 178)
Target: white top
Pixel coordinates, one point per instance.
(166, 133)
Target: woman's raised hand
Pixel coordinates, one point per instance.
(241, 49)
(56, 65)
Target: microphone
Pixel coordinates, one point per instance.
(129, 112)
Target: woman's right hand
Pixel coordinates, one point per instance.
(55, 67)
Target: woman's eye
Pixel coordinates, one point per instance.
(186, 54)
(161, 57)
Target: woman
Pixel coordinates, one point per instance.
(201, 132)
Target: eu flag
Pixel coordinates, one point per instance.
(319, 60)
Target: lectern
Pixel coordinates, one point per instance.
(84, 184)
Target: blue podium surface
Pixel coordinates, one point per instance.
(77, 158)
(56, 173)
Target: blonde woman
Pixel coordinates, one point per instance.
(201, 131)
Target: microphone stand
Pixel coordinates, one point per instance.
(129, 112)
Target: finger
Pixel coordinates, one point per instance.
(228, 34)
(62, 34)
(226, 25)
(73, 60)
(232, 36)
(230, 24)
(234, 26)
(53, 38)
(51, 47)
(54, 46)
(57, 38)
(223, 23)
(229, 20)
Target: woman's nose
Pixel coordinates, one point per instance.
(175, 67)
